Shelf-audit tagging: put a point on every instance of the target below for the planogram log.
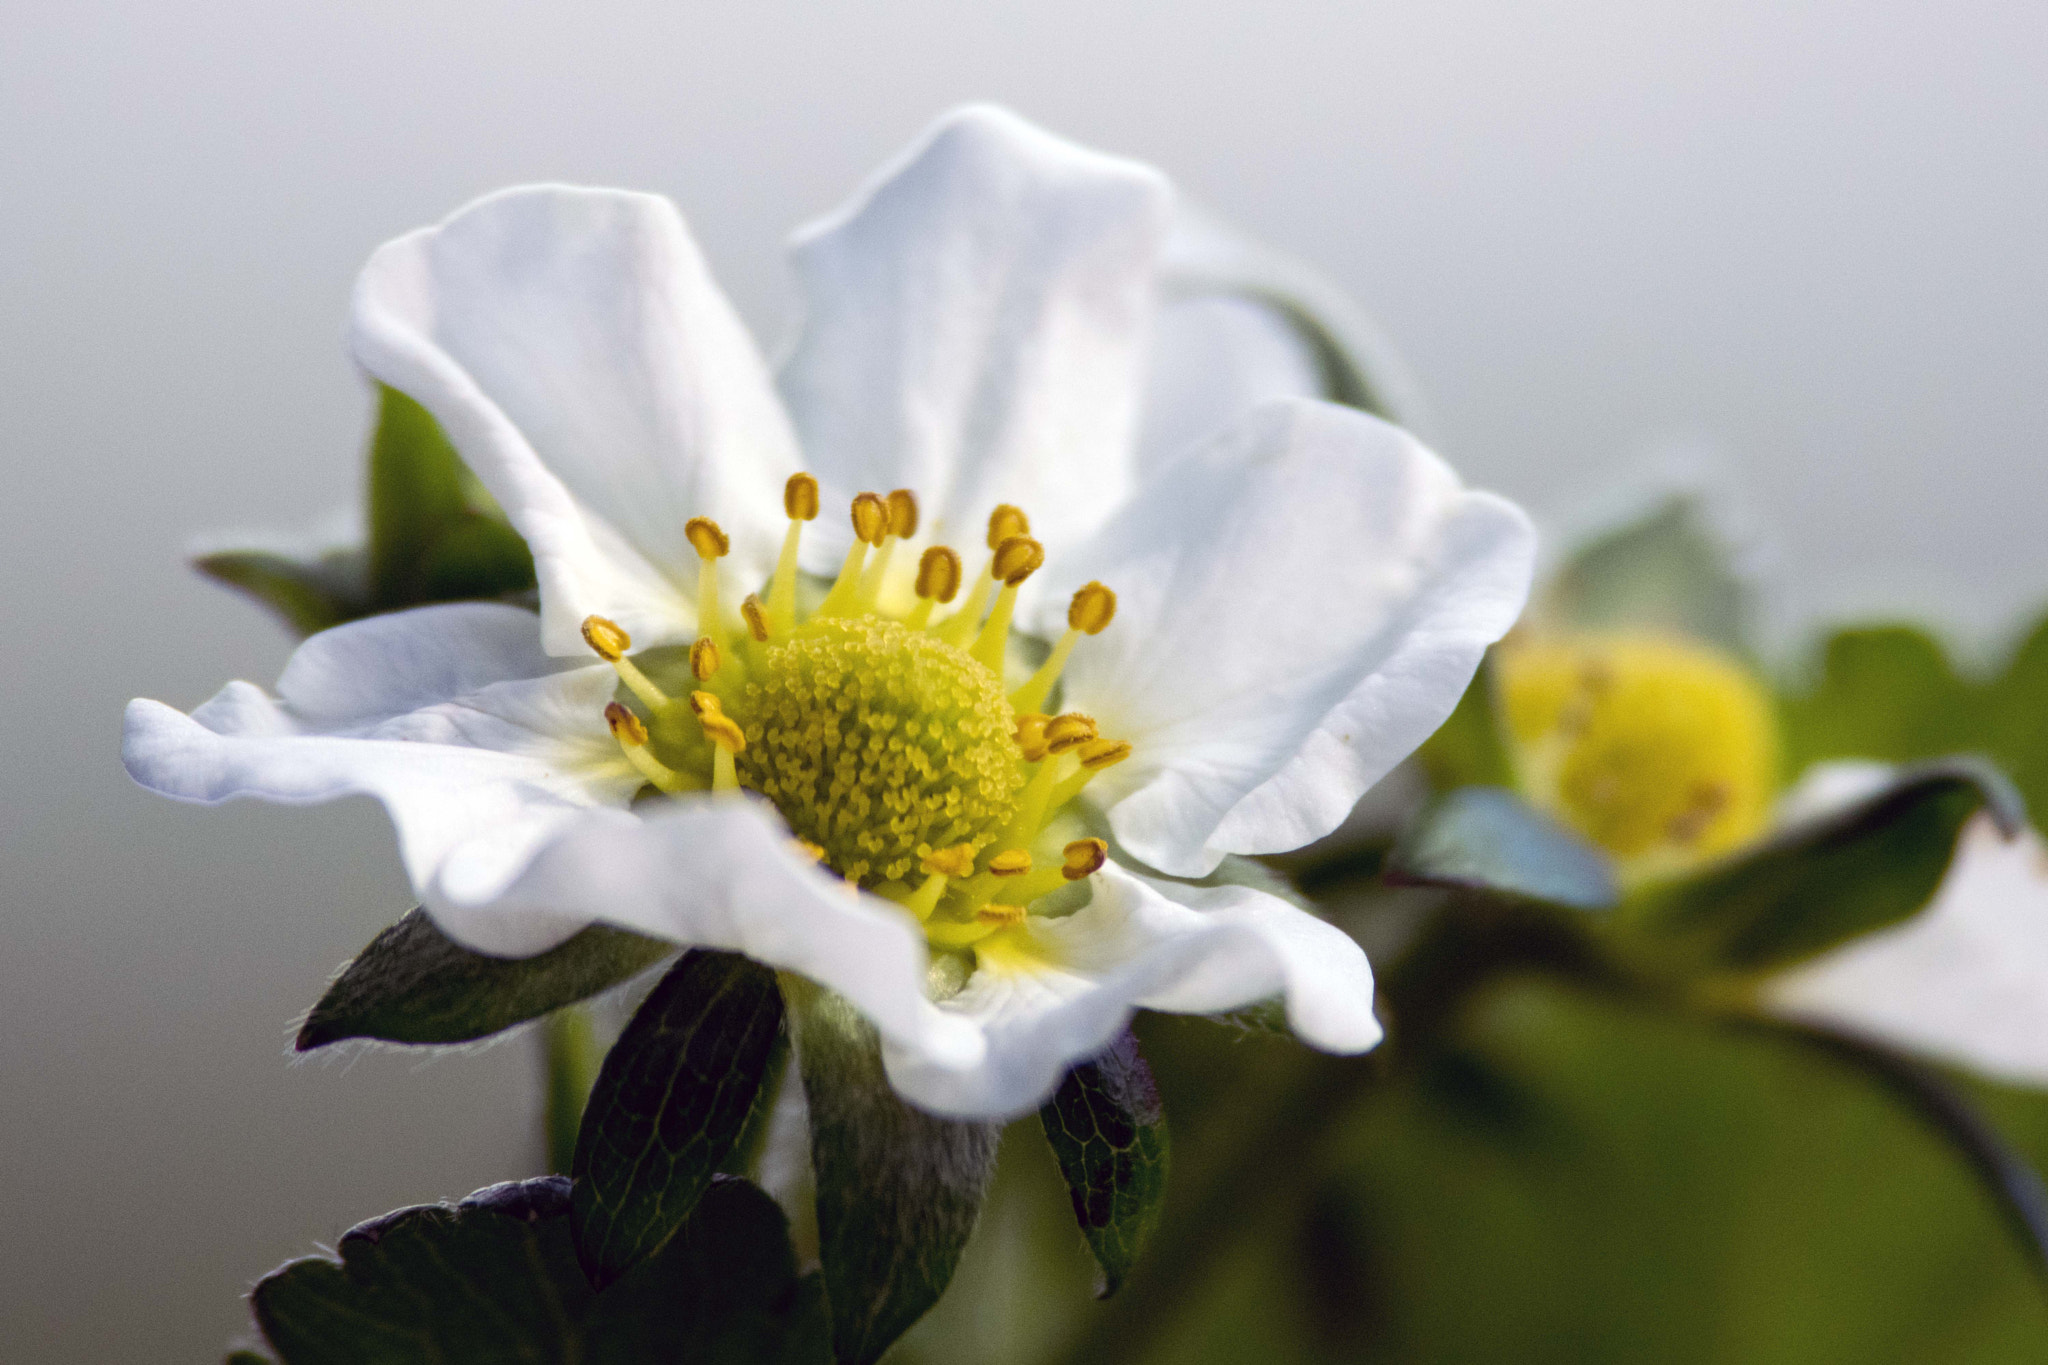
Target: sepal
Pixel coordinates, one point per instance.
(1489, 840)
(414, 984)
(1108, 1133)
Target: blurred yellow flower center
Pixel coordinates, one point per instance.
(878, 725)
(1660, 750)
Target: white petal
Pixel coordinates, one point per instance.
(1214, 357)
(720, 873)
(1300, 604)
(1965, 980)
(1138, 943)
(479, 745)
(576, 350)
(974, 327)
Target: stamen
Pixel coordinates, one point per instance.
(632, 737)
(1090, 613)
(902, 508)
(726, 738)
(940, 866)
(712, 544)
(756, 619)
(1095, 755)
(1006, 521)
(938, 580)
(800, 501)
(1003, 523)
(610, 643)
(1069, 731)
(807, 850)
(704, 658)
(1031, 735)
(1011, 862)
(870, 527)
(1016, 559)
(1083, 858)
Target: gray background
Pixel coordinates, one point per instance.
(1804, 236)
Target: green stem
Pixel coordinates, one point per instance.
(570, 1060)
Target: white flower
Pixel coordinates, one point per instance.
(1296, 604)
(1966, 979)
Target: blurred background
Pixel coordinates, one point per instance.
(1795, 245)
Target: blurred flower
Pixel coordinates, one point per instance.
(1291, 607)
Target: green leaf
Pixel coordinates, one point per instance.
(1882, 692)
(670, 1103)
(414, 984)
(246, 1358)
(1470, 749)
(1820, 882)
(898, 1189)
(2011, 1182)
(1486, 839)
(494, 1279)
(1108, 1134)
(308, 594)
(474, 556)
(1666, 571)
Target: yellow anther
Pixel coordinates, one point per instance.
(1092, 609)
(606, 638)
(626, 726)
(804, 848)
(710, 540)
(1031, 735)
(723, 731)
(1006, 521)
(938, 574)
(870, 519)
(704, 658)
(1011, 862)
(704, 704)
(756, 619)
(1098, 754)
(632, 737)
(1069, 731)
(903, 513)
(800, 498)
(1083, 858)
(957, 861)
(1000, 916)
(1017, 559)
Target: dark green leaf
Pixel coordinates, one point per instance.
(898, 1190)
(669, 1105)
(1666, 571)
(1486, 839)
(1469, 749)
(2012, 1183)
(474, 556)
(1820, 882)
(1882, 692)
(414, 984)
(246, 1358)
(415, 491)
(1109, 1135)
(494, 1279)
(308, 594)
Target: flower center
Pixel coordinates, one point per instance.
(878, 727)
(880, 744)
(1661, 751)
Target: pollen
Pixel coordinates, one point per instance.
(938, 574)
(1017, 559)
(870, 518)
(704, 658)
(707, 538)
(1092, 609)
(605, 638)
(1082, 858)
(1660, 750)
(902, 513)
(880, 744)
(1003, 523)
(800, 498)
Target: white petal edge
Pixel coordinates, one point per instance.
(1214, 357)
(1140, 943)
(974, 328)
(576, 350)
(1964, 981)
(479, 745)
(1301, 602)
(721, 872)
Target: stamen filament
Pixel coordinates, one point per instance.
(870, 527)
(1031, 696)
(632, 737)
(994, 640)
(925, 899)
(724, 776)
(958, 628)
(712, 545)
(782, 588)
(844, 588)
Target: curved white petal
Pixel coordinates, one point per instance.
(479, 745)
(1214, 356)
(577, 352)
(718, 872)
(1965, 980)
(1060, 993)
(974, 326)
(1301, 603)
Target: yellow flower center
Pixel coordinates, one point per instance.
(878, 727)
(1660, 750)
